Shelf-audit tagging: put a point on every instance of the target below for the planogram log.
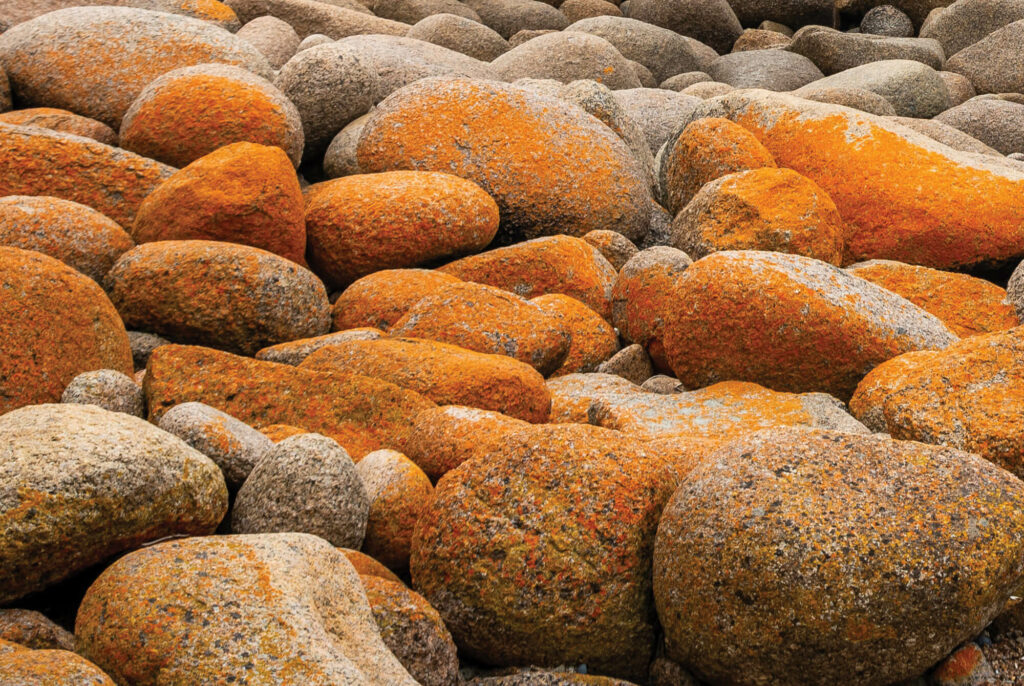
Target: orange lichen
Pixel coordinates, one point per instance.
(51, 667)
(63, 122)
(555, 264)
(380, 299)
(278, 432)
(242, 193)
(446, 374)
(399, 492)
(960, 665)
(593, 339)
(367, 566)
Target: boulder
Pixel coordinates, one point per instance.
(758, 39)
(567, 56)
(34, 630)
(774, 70)
(993, 64)
(274, 38)
(835, 51)
(575, 10)
(412, 11)
(382, 298)
(994, 122)
(442, 438)
(294, 352)
(335, 19)
(656, 112)
(592, 338)
(712, 22)
(460, 34)
(575, 396)
(108, 389)
(509, 17)
(947, 135)
(857, 98)
(886, 20)
(399, 492)
(787, 12)
(82, 484)
(965, 22)
(912, 88)
(615, 247)
(50, 668)
(340, 158)
(61, 121)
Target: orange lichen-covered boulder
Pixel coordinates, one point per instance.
(413, 631)
(96, 60)
(360, 413)
(967, 396)
(488, 320)
(593, 340)
(367, 566)
(77, 235)
(42, 162)
(446, 374)
(789, 323)
(761, 209)
(902, 195)
(550, 167)
(399, 492)
(284, 609)
(644, 296)
(294, 352)
(382, 298)
(705, 150)
(539, 553)
(718, 412)
(50, 668)
(554, 264)
(242, 193)
(967, 305)
(575, 397)
(363, 223)
(57, 323)
(190, 112)
(63, 122)
(442, 438)
(795, 556)
(224, 295)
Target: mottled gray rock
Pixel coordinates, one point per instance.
(886, 20)
(664, 52)
(615, 247)
(509, 17)
(275, 38)
(340, 158)
(644, 74)
(306, 483)
(283, 609)
(917, 10)
(334, 18)
(34, 630)
(959, 87)
(233, 445)
(575, 10)
(965, 22)
(330, 85)
(109, 389)
(663, 385)
(412, 11)
(143, 344)
(631, 363)
(835, 51)
(656, 111)
(574, 396)
(912, 88)
(995, 64)
(460, 34)
(769, 25)
(521, 37)
(995, 122)
(133, 46)
(294, 352)
(660, 231)
(79, 484)
(705, 90)
(774, 70)
(821, 514)
(759, 39)
(857, 98)
(946, 134)
(710, 21)
(567, 56)
(313, 40)
(682, 81)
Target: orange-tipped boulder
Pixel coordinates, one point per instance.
(382, 298)
(446, 374)
(98, 59)
(705, 150)
(43, 162)
(550, 167)
(190, 112)
(967, 305)
(442, 438)
(499, 551)
(967, 397)
(761, 209)
(554, 264)
(399, 492)
(77, 235)
(63, 122)
(789, 323)
(798, 557)
(364, 223)
(488, 320)
(220, 294)
(644, 297)
(902, 195)
(593, 340)
(242, 193)
(360, 413)
(57, 323)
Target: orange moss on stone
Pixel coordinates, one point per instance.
(278, 432)
(959, 666)
(446, 374)
(242, 193)
(367, 566)
(488, 320)
(43, 162)
(593, 339)
(442, 438)
(360, 413)
(50, 668)
(968, 306)
(367, 222)
(61, 121)
(761, 209)
(57, 323)
(382, 298)
(708, 149)
(188, 113)
(554, 264)
(399, 492)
